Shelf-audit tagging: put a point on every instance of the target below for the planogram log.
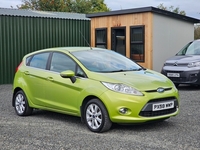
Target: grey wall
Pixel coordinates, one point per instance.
(169, 36)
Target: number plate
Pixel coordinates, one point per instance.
(162, 106)
(173, 75)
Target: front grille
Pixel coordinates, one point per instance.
(181, 79)
(162, 99)
(150, 91)
(157, 113)
(168, 71)
(147, 110)
(184, 79)
(176, 64)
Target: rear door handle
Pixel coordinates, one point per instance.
(50, 79)
(26, 73)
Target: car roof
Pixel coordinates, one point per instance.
(65, 49)
(71, 49)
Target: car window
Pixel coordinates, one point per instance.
(28, 60)
(61, 62)
(192, 48)
(80, 72)
(39, 60)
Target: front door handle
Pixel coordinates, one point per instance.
(50, 79)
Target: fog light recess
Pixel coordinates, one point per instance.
(123, 110)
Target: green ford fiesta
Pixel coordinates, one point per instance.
(98, 85)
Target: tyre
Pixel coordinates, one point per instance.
(96, 116)
(21, 104)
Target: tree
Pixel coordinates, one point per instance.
(76, 6)
(172, 9)
(46, 5)
(89, 6)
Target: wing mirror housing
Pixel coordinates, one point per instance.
(69, 74)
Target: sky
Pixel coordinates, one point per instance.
(191, 7)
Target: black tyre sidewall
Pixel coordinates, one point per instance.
(102, 107)
(27, 110)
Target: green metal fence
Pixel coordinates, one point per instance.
(20, 35)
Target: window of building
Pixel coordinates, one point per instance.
(101, 38)
(137, 43)
(118, 40)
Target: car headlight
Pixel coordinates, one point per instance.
(194, 64)
(121, 88)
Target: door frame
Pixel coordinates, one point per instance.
(113, 38)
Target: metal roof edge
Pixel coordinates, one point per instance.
(175, 15)
(119, 12)
(42, 14)
(142, 10)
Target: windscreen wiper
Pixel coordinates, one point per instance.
(120, 70)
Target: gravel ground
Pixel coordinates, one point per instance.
(52, 131)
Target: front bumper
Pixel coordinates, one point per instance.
(139, 108)
(186, 76)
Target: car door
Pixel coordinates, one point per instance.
(35, 78)
(61, 94)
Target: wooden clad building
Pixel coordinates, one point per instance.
(147, 35)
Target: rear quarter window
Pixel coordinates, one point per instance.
(38, 60)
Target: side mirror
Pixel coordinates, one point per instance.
(68, 74)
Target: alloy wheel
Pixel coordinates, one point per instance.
(20, 103)
(94, 116)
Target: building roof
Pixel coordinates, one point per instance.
(142, 10)
(41, 14)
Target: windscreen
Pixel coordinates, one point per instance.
(192, 48)
(105, 61)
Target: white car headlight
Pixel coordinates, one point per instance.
(194, 64)
(121, 88)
